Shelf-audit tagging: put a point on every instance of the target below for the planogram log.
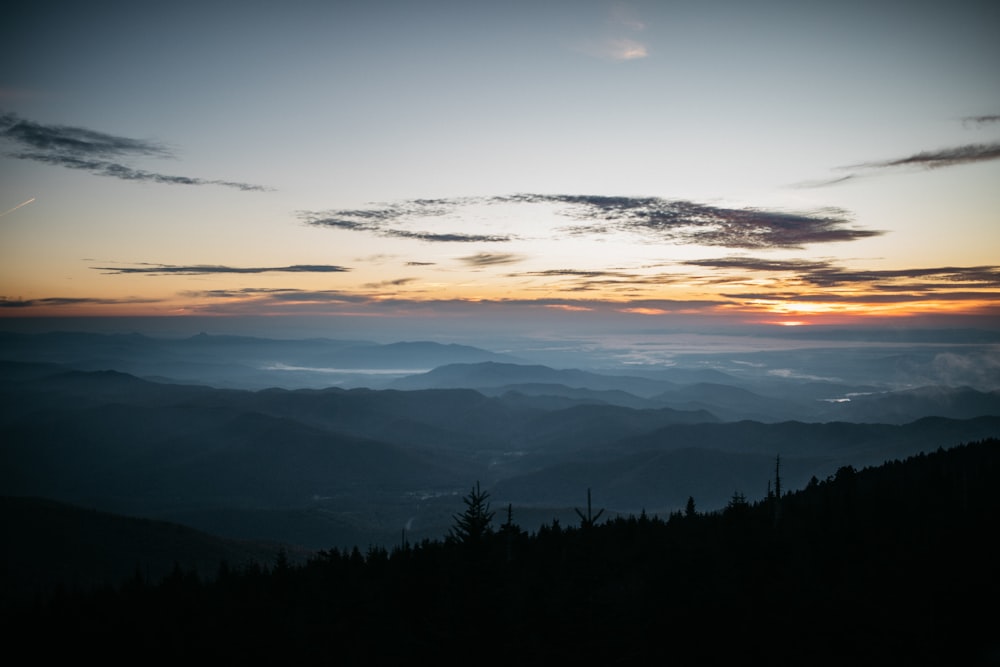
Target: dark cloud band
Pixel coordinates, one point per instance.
(68, 301)
(945, 157)
(668, 221)
(88, 150)
(936, 159)
(206, 269)
(826, 274)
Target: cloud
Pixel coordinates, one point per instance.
(686, 222)
(982, 120)
(92, 151)
(936, 159)
(577, 273)
(951, 277)
(65, 140)
(618, 282)
(626, 17)
(944, 157)
(250, 296)
(618, 42)
(205, 269)
(68, 301)
(623, 49)
(819, 273)
(757, 264)
(826, 297)
(654, 219)
(377, 221)
(398, 282)
(490, 259)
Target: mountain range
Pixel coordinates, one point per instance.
(324, 466)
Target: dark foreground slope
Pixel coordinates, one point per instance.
(48, 546)
(887, 565)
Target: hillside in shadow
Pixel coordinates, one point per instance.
(894, 564)
(339, 467)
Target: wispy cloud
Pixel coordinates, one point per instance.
(621, 284)
(205, 269)
(819, 273)
(944, 157)
(250, 296)
(982, 120)
(621, 48)
(865, 297)
(95, 152)
(14, 208)
(661, 220)
(490, 259)
(686, 222)
(619, 41)
(934, 159)
(333, 302)
(398, 282)
(759, 264)
(387, 221)
(6, 302)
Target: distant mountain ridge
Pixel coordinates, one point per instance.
(495, 374)
(324, 467)
(241, 362)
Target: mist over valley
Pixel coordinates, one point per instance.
(240, 437)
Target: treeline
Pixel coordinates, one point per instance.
(890, 565)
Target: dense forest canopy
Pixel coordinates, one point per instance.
(883, 565)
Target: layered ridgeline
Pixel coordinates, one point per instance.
(343, 466)
(893, 564)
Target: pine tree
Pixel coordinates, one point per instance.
(473, 525)
(689, 509)
(777, 489)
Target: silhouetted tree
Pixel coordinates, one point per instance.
(590, 519)
(689, 509)
(510, 531)
(777, 489)
(737, 505)
(473, 525)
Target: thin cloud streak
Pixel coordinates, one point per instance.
(207, 269)
(900, 298)
(88, 150)
(11, 210)
(935, 159)
(280, 296)
(827, 274)
(945, 157)
(68, 140)
(982, 120)
(71, 301)
(375, 221)
(490, 259)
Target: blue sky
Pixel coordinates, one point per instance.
(643, 164)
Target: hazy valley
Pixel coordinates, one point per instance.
(244, 438)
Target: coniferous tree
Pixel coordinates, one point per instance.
(473, 525)
(777, 489)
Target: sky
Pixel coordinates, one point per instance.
(480, 166)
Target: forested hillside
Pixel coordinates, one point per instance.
(894, 564)
(335, 467)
